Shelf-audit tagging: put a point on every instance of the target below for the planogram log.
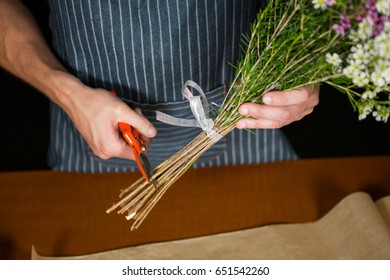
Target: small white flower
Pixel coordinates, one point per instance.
(384, 35)
(386, 28)
(360, 54)
(369, 46)
(377, 79)
(365, 28)
(333, 59)
(356, 65)
(319, 4)
(354, 36)
(381, 114)
(364, 110)
(356, 47)
(384, 49)
(377, 117)
(381, 65)
(362, 116)
(383, 7)
(382, 45)
(368, 94)
(361, 79)
(386, 75)
(349, 72)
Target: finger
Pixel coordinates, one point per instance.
(113, 146)
(139, 122)
(147, 140)
(277, 113)
(288, 97)
(258, 124)
(265, 116)
(123, 150)
(138, 111)
(275, 121)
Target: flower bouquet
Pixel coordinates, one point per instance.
(292, 43)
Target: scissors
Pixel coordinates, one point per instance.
(134, 139)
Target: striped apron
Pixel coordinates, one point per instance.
(145, 50)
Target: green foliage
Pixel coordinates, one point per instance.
(286, 49)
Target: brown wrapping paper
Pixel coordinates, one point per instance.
(356, 228)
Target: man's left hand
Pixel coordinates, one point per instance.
(280, 108)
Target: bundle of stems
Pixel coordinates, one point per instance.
(285, 49)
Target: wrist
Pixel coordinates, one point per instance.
(61, 87)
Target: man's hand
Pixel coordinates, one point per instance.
(279, 109)
(96, 113)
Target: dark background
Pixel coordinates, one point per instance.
(332, 130)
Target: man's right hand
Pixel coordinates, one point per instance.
(96, 113)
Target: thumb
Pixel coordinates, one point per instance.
(140, 123)
(136, 119)
(147, 139)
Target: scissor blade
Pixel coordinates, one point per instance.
(147, 168)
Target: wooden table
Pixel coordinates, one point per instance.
(63, 214)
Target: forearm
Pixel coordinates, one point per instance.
(25, 53)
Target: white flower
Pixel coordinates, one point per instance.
(386, 28)
(364, 110)
(354, 69)
(361, 79)
(368, 94)
(356, 66)
(386, 75)
(361, 53)
(365, 28)
(381, 65)
(381, 114)
(377, 79)
(376, 116)
(362, 116)
(333, 59)
(369, 46)
(354, 36)
(349, 72)
(382, 45)
(319, 4)
(383, 7)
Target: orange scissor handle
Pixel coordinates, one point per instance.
(134, 139)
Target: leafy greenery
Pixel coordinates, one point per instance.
(286, 49)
